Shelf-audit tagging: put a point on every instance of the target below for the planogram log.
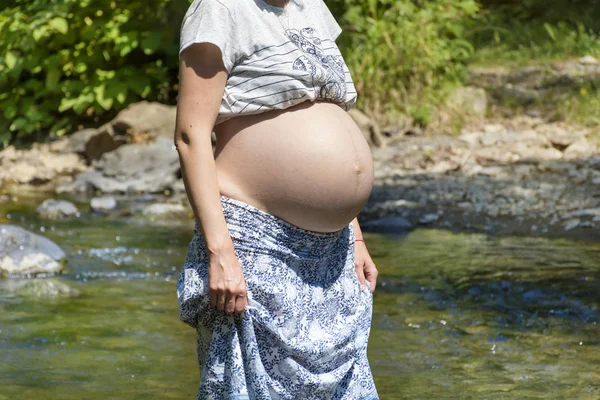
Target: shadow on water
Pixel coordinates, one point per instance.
(514, 277)
(486, 317)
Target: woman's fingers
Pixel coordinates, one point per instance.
(230, 303)
(371, 273)
(214, 295)
(361, 275)
(227, 284)
(240, 303)
(221, 301)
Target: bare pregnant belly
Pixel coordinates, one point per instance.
(308, 165)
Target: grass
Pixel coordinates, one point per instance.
(582, 105)
(535, 43)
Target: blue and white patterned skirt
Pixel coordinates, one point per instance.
(304, 333)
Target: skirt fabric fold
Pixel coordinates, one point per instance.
(304, 333)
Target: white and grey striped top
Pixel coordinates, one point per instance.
(275, 57)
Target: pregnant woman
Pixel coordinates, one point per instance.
(277, 281)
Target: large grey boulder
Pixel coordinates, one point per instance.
(139, 122)
(57, 209)
(23, 253)
(139, 167)
(146, 120)
(92, 143)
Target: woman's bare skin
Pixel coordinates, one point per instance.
(309, 165)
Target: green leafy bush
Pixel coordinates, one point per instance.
(404, 53)
(65, 63)
(72, 61)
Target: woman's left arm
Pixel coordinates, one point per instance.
(365, 267)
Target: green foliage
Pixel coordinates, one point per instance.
(533, 30)
(405, 53)
(582, 106)
(71, 61)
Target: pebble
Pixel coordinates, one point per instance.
(103, 204)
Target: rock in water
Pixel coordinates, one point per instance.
(165, 210)
(388, 225)
(23, 253)
(104, 204)
(46, 288)
(56, 209)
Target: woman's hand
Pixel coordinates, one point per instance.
(365, 267)
(226, 282)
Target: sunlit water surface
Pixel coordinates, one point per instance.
(457, 316)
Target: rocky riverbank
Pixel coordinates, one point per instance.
(514, 176)
(517, 176)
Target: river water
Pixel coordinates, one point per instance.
(456, 316)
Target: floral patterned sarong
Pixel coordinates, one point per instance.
(303, 335)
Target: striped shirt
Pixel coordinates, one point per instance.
(276, 57)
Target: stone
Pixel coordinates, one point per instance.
(76, 142)
(41, 288)
(429, 218)
(572, 224)
(495, 136)
(145, 120)
(103, 204)
(469, 100)
(498, 172)
(93, 143)
(519, 95)
(561, 142)
(23, 253)
(399, 125)
(26, 173)
(494, 155)
(535, 155)
(588, 60)
(580, 149)
(494, 128)
(389, 225)
(165, 210)
(594, 162)
(442, 167)
(8, 154)
(178, 186)
(586, 212)
(492, 138)
(37, 165)
(368, 127)
(57, 209)
(471, 138)
(138, 167)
